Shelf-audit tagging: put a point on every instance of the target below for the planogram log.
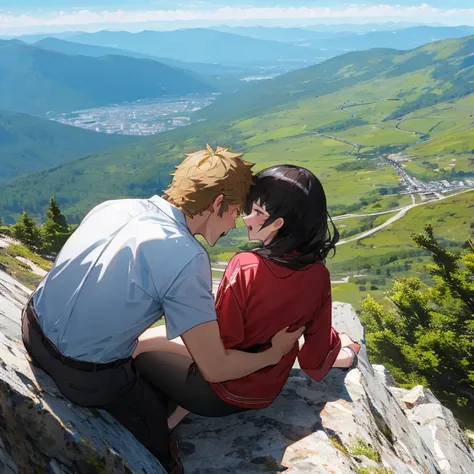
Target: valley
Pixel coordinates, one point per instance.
(389, 133)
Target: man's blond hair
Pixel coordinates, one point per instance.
(206, 174)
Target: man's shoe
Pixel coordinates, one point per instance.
(175, 465)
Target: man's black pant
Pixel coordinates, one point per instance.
(116, 388)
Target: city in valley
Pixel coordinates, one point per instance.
(142, 117)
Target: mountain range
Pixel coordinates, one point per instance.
(200, 45)
(231, 44)
(70, 47)
(35, 80)
(340, 41)
(441, 60)
(340, 118)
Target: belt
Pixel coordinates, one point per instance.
(67, 361)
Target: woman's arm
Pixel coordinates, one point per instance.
(321, 342)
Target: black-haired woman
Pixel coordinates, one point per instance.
(284, 283)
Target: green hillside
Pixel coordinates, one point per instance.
(446, 66)
(333, 118)
(36, 81)
(29, 144)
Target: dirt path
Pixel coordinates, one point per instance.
(355, 146)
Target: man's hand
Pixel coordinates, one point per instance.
(283, 342)
(218, 364)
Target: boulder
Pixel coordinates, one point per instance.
(419, 395)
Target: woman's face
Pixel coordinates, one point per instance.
(255, 220)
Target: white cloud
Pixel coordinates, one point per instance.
(423, 13)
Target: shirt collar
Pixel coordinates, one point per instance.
(169, 209)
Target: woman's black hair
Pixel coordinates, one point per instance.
(297, 196)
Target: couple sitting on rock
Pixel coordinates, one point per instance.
(132, 261)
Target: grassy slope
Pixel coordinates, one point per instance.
(19, 270)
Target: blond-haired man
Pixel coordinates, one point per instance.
(130, 262)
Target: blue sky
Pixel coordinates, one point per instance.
(23, 16)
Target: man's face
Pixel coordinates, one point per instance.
(218, 226)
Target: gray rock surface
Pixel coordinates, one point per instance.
(321, 427)
(440, 431)
(340, 425)
(41, 431)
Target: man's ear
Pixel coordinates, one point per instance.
(277, 224)
(216, 205)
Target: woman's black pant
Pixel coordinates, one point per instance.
(180, 380)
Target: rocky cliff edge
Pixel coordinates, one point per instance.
(357, 422)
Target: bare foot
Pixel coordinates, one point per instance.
(345, 339)
(346, 357)
(176, 417)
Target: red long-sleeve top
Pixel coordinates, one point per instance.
(256, 299)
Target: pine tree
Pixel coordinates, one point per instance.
(428, 338)
(55, 214)
(27, 232)
(55, 230)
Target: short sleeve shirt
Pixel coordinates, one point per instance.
(129, 262)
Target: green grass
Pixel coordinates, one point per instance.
(469, 437)
(374, 112)
(377, 135)
(19, 270)
(458, 141)
(337, 443)
(390, 252)
(375, 470)
(17, 250)
(350, 293)
(440, 166)
(353, 226)
(365, 449)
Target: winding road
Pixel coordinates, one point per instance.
(394, 218)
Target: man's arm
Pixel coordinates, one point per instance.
(218, 364)
(189, 312)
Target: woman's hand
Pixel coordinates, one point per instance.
(284, 341)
